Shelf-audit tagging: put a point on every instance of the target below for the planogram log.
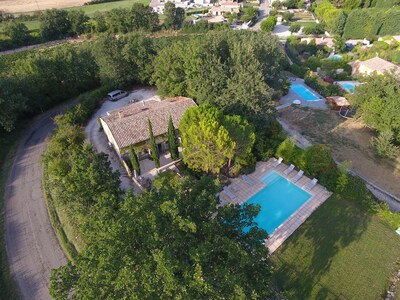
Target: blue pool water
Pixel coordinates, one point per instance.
(350, 87)
(336, 57)
(304, 92)
(278, 201)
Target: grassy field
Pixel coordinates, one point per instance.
(90, 10)
(340, 252)
(8, 147)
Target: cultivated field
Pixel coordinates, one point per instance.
(14, 6)
(25, 6)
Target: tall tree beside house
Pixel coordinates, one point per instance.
(134, 160)
(172, 140)
(206, 143)
(155, 155)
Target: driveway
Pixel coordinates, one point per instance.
(99, 140)
(32, 246)
(263, 13)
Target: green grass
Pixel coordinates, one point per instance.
(67, 246)
(306, 24)
(340, 252)
(8, 146)
(90, 10)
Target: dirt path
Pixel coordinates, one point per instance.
(349, 141)
(52, 43)
(32, 247)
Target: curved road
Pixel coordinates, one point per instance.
(32, 247)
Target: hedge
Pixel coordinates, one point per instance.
(363, 23)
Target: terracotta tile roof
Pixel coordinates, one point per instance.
(339, 100)
(129, 125)
(379, 65)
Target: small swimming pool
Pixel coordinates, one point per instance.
(304, 93)
(348, 86)
(278, 201)
(335, 57)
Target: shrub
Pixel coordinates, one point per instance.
(383, 145)
(269, 23)
(319, 160)
(291, 153)
(314, 29)
(297, 70)
(295, 27)
(287, 16)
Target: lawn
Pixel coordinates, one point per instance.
(340, 252)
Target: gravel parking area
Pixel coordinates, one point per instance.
(99, 140)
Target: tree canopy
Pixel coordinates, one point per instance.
(172, 242)
(377, 103)
(211, 140)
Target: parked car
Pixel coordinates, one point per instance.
(116, 95)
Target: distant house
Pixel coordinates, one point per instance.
(225, 7)
(158, 5)
(129, 125)
(322, 41)
(221, 10)
(350, 44)
(376, 64)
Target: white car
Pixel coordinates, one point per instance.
(116, 95)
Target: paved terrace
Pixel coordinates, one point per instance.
(243, 192)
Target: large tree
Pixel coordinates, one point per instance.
(206, 143)
(172, 243)
(134, 160)
(17, 32)
(54, 24)
(377, 103)
(174, 16)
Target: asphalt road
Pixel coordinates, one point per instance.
(32, 246)
(262, 15)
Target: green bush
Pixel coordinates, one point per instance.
(269, 23)
(297, 70)
(295, 27)
(383, 145)
(319, 160)
(314, 29)
(291, 153)
(324, 88)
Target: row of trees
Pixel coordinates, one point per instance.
(233, 71)
(58, 23)
(358, 23)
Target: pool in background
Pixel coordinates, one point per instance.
(335, 57)
(348, 86)
(278, 201)
(304, 92)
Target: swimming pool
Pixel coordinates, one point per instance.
(335, 57)
(304, 92)
(278, 201)
(348, 86)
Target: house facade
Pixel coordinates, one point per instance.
(129, 126)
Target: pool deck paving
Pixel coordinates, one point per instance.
(243, 191)
(291, 96)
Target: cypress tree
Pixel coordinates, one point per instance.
(134, 160)
(153, 147)
(172, 140)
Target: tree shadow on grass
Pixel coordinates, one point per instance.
(307, 255)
